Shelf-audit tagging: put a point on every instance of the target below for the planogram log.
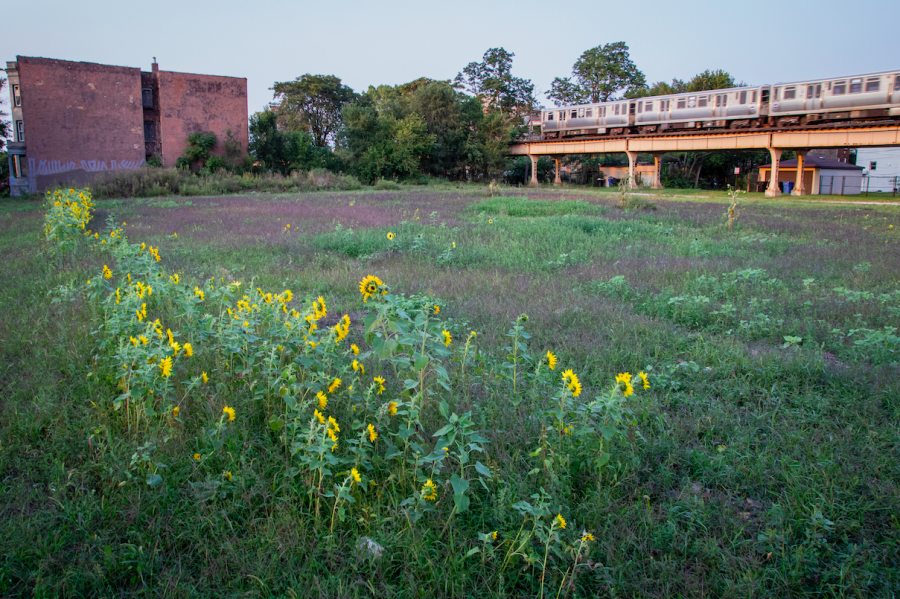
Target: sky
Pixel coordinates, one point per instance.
(374, 43)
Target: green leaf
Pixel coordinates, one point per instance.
(462, 503)
(153, 479)
(443, 431)
(460, 485)
(482, 469)
(421, 361)
(410, 384)
(444, 408)
(275, 423)
(473, 551)
(602, 460)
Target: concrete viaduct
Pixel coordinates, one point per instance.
(775, 142)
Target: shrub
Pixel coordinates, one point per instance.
(386, 184)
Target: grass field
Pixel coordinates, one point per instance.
(763, 460)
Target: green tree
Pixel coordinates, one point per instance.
(285, 151)
(707, 80)
(597, 76)
(492, 80)
(313, 103)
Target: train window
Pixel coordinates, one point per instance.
(789, 93)
(640, 106)
(819, 91)
(549, 116)
(840, 88)
(897, 83)
(581, 113)
(617, 109)
(809, 92)
(681, 103)
(702, 102)
(603, 111)
(753, 99)
(648, 106)
(855, 86)
(692, 102)
(589, 112)
(718, 99)
(873, 84)
(775, 95)
(574, 114)
(743, 98)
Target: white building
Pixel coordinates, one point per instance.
(881, 168)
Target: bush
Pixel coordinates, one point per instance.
(638, 203)
(153, 182)
(386, 184)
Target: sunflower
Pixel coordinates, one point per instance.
(334, 385)
(392, 408)
(429, 491)
(560, 521)
(437, 309)
(166, 366)
(491, 221)
(318, 415)
(229, 412)
(571, 380)
(369, 286)
(355, 474)
(390, 236)
(623, 383)
(355, 349)
(372, 434)
(323, 399)
(380, 381)
(551, 360)
(645, 382)
(447, 338)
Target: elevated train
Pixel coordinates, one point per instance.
(864, 97)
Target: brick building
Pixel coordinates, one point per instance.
(84, 118)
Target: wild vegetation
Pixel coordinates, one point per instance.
(409, 393)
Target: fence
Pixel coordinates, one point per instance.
(881, 184)
(840, 186)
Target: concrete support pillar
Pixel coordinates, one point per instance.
(773, 191)
(799, 187)
(534, 161)
(557, 180)
(632, 160)
(657, 170)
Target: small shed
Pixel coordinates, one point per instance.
(820, 176)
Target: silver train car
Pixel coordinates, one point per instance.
(868, 96)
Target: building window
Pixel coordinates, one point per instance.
(149, 131)
(840, 88)
(873, 84)
(20, 131)
(17, 96)
(873, 165)
(147, 97)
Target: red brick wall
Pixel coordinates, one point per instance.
(190, 103)
(80, 118)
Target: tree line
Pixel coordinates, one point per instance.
(455, 129)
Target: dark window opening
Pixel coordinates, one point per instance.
(648, 106)
(147, 97)
(789, 93)
(855, 86)
(840, 88)
(873, 84)
(743, 98)
(873, 165)
(149, 131)
(574, 114)
(809, 92)
(681, 103)
(549, 116)
(589, 112)
(17, 96)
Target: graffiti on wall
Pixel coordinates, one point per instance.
(55, 167)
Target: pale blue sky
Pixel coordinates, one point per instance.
(394, 42)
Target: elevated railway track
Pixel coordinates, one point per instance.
(774, 139)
